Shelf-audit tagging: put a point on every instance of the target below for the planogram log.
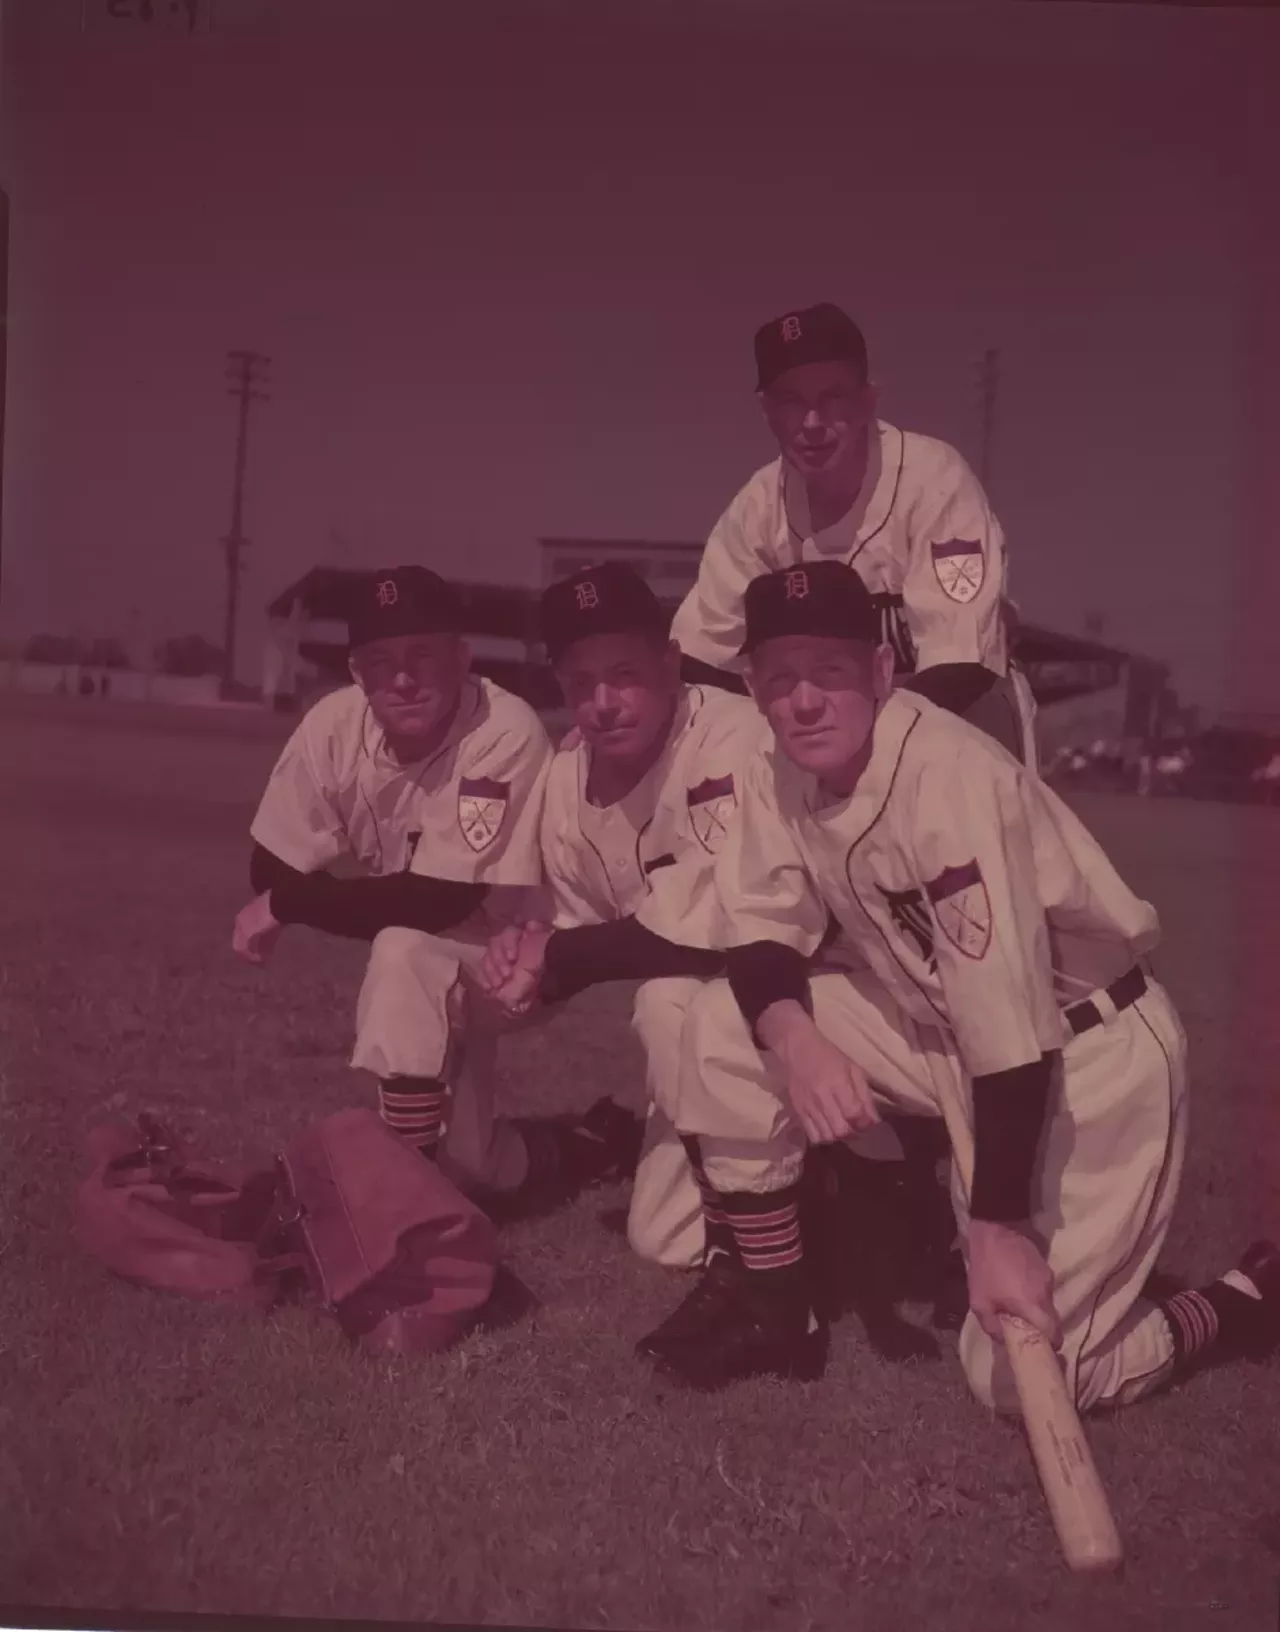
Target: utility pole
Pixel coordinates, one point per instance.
(243, 370)
(4, 324)
(989, 386)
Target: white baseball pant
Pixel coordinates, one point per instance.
(1112, 1157)
(665, 1224)
(417, 1016)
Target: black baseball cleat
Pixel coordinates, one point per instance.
(567, 1155)
(705, 1306)
(1260, 1264)
(858, 1242)
(607, 1141)
(739, 1329)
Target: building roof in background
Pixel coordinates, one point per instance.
(492, 609)
(508, 611)
(1036, 644)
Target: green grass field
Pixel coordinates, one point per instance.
(160, 1455)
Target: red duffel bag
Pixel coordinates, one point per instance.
(376, 1234)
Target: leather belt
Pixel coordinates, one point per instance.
(1123, 993)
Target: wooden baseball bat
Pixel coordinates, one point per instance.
(1077, 1500)
(1069, 1476)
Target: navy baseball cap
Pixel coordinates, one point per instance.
(610, 599)
(813, 598)
(402, 601)
(817, 334)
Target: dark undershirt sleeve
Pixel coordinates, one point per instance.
(266, 869)
(953, 686)
(621, 949)
(1009, 1110)
(359, 908)
(763, 973)
(694, 672)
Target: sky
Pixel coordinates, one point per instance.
(508, 268)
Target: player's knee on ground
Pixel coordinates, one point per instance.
(664, 1222)
(672, 1240)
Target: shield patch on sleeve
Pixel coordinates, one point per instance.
(482, 809)
(960, 567)
(962, 908)
(711, 807)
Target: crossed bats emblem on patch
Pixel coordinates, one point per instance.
(711, 807)
(960, 567)
(482, 809)
(962, 908)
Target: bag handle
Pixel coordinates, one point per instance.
(281, 1243)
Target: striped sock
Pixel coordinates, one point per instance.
(413, 1108)
(719, 1233)
(766, 1229)
(1193, 1323)
(1222, 1315)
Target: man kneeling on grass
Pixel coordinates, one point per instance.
(430, 779)
(1004, 990)
(637, 805)
(639, 802)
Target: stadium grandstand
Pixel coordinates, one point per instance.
(1087, 692)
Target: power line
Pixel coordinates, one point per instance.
(244, 370)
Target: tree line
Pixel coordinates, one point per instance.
(186, 656)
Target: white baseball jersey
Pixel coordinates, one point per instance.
(921, 535)
(976, 896)
(652, 854)
(468, 813)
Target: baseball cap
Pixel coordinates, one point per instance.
(610, 599)
(816, 334)
(401, 601)
(814, 598)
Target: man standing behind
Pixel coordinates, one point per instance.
(904, 510)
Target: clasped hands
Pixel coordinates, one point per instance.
(510, 973)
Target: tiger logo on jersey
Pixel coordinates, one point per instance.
(482, 809)
(960, 567)
(711, 807)
(962, 908)
(911, 919)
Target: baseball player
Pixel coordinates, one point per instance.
(638, 802)
(635, 812)
(904, 509)
(1005, 987)
(431, 780)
